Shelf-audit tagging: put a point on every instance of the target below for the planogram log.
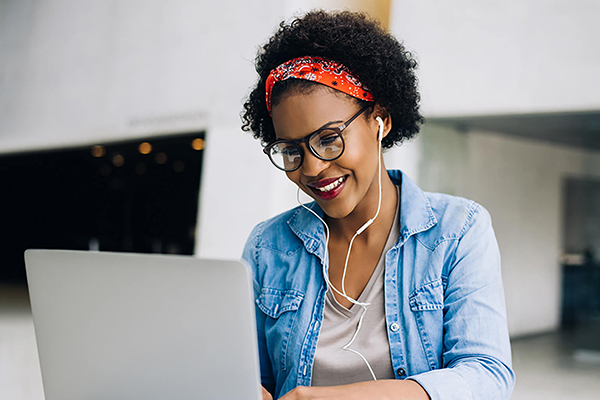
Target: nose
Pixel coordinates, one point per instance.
(312, 165)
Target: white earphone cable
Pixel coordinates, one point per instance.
(360, 230)
(369, 222)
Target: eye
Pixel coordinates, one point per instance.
(328, 144)
(328, 139)
(291, 155)
(290, 151)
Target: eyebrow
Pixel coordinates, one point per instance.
(325, 126)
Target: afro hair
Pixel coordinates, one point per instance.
(354, 40)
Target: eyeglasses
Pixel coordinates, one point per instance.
(326, 144)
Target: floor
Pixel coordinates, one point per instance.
(556, 366)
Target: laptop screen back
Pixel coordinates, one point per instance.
(132, 326)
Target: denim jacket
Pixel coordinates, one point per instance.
(444, 301)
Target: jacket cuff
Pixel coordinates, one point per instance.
(444, 384)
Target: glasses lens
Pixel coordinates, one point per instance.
(286, 156)
(328, 144)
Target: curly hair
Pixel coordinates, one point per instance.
(354, 40)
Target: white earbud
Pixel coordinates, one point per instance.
(381, 126)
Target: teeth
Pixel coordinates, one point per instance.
(331, 186)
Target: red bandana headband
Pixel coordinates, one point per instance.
(320, 70)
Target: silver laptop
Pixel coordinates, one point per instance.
(142, 327)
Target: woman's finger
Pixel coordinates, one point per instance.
(265, 394)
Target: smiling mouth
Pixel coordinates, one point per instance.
(331, 186)
(328, 189)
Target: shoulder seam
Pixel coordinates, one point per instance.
(472, 210)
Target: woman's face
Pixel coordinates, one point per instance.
(348, 184)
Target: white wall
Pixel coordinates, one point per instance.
(80, 72)
(511, 56)
(520, 183)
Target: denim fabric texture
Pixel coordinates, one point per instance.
(444, 305)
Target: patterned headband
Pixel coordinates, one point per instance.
(320, 70)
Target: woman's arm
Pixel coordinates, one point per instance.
(376, 390)
(476, 355)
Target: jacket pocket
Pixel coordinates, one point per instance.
(428, 297)
(281, 307)
(427, 304)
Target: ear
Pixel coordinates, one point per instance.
(381, 112)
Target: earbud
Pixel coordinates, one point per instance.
(381, 126)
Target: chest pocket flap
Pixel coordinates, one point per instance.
(428, 297)
(274, 302)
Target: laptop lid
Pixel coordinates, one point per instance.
(135, 326)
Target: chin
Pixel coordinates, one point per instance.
(334, 211)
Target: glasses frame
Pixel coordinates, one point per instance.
(306, 140)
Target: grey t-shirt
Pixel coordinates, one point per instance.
(335, 366)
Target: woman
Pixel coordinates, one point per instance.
(376, 289)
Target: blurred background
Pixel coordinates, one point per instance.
(120, 131)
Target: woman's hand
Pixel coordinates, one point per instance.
(265, 394)
(379, 390)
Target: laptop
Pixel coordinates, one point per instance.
(142, 327)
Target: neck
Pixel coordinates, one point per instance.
(345, 228)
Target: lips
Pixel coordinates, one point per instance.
(328, 189)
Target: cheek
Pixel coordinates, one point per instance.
(294, 176)
(359, 156)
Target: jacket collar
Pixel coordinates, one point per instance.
(416, 216)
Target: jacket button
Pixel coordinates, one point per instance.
(394, 327)
(401, 372)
